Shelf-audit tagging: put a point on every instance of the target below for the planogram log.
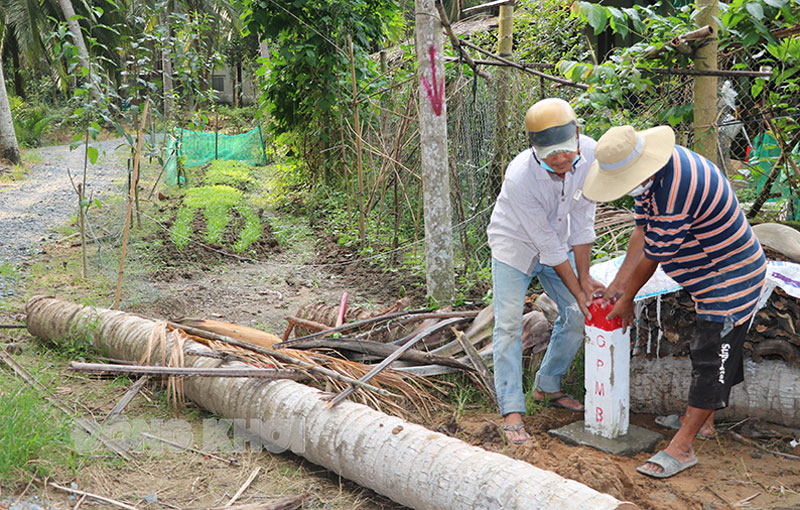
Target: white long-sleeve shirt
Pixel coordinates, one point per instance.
(539, 217)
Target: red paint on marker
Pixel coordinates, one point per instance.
(599, 314)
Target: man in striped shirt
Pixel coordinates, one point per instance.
(688, 220)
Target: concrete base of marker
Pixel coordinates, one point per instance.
(638, 439)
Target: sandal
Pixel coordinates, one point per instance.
(518, 428)
(673, 422)
(555, 401)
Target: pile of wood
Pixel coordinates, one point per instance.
(775, 333)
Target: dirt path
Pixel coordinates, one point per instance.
(44, 200)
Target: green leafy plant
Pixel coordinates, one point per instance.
(222, 193)
(30, 431)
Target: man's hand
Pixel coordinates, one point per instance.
(592, 289)
(623, 308)
(612, 293)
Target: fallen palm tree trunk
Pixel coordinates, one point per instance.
(403, 461)
(770, 391)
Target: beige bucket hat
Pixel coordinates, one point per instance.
(624, 158)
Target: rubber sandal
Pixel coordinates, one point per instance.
(519, 427)
(555, 402)
(673, 422)
(668, 463)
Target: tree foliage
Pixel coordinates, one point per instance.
(309, 54)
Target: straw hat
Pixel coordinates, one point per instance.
(625, 158)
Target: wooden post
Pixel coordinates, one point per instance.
(359, 164)
(440, 276)
(705, 87)
(131, 200)
(503, 77)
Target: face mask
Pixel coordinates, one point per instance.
(547, 167)
(638, 190)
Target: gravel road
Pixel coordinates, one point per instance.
(44, 199)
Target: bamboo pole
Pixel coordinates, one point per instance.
(359, 163)
(131, 198)
(505, 38)
(705, 87)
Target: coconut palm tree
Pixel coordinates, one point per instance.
(9, 148)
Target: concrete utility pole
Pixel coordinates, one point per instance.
(440, 273)
(705, 87)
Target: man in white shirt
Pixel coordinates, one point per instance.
(542, 226)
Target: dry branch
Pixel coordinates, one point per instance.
(94, 496)
(380, 349)
(126, 399)
(283, 357)
(456, 41)
(190, 449)
(525, 69)
(244, 487)
(417, 314)
(394, 356)
(262, 373)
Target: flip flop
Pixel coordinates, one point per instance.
(519, 427)
(668, 463)
(673, 422)
(554, 402)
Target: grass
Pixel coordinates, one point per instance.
(30, 431)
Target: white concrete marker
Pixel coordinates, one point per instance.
(607, 375)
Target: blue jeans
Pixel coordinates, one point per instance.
(510, 287)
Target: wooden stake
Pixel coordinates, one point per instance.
(361, 212)
(131, 201)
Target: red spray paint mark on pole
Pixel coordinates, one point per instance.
(437, 94)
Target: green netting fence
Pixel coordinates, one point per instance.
(197, 148)
(763, 156)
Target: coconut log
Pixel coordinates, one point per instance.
(406, 462)
(770, 391)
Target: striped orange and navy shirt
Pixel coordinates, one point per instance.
(695, 227)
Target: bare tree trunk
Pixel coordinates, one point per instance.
(13, 50)
(705, 87)
(769, 391)
(406, 462)
(439, 265)
(9, 148)
(77, 35)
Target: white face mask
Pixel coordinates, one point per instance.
(638, 190)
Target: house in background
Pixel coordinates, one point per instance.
(226, 81)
